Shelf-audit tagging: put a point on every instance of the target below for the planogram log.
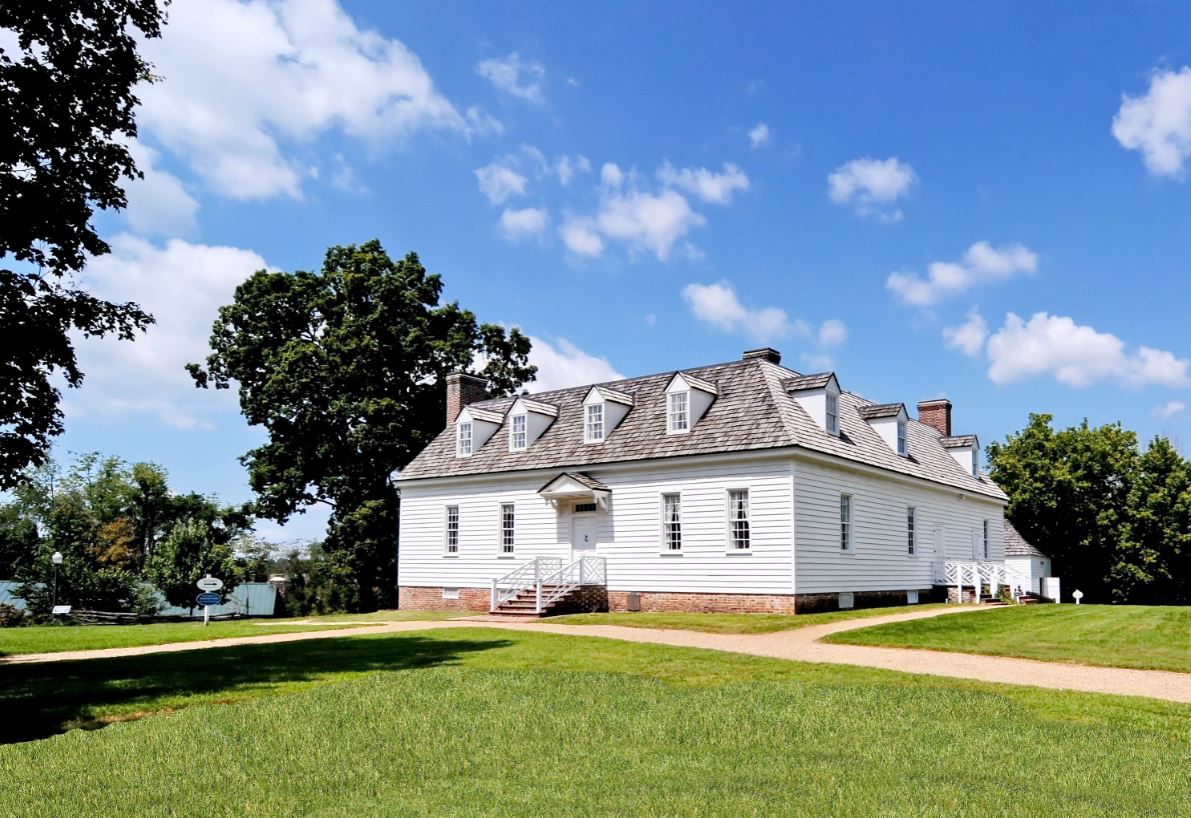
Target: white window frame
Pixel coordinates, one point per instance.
(847, 516)
(735, 541)
(902, 446)
(831, 413)
(450, 544)
(591, 426)
(518, 438)
(665, 529)
(984, 542)
(674, 414)
(912, 531)
(461, 439)
(508, 529)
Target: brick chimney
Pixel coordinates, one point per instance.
(463, 389)
(763, 354)
(937, 414)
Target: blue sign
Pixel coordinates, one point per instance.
(207, 599)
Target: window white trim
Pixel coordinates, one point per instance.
(518, 432)
(847, 514)
(678, 413)
(450, 540)
(986, 547)
(450, 593)
(464, 436)
(832, 413)
(508, 529)
(911, 531)
(670, 530)
(739, 515)
(902, 447)
(593, 423)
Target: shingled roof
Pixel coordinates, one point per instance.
(881, 410)
(754, 410)
(1016, 545)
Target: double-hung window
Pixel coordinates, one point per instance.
(678, 414)
(507, 526)
(910, 526)
(901, 438)
(517, 432)
(832, 414)
(463, 448)
(845, 522)
(593, 426)
(738, 520)
(451, 545)
(672, 523)
(985, 539)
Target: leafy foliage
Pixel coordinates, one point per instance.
(186, 555)
(1116, 521)
(344, 369)
(68, 100)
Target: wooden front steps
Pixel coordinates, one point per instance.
(525, 603)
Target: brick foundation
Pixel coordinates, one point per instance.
(592, 599)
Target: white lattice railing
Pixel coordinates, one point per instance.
(549, 579)
(978, 574)
(522, 579)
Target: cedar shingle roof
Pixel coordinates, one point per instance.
(800, 382)
(881, 410)
(956, 441)
(1016, 545)
(754, 410)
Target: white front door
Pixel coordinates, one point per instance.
(584, 528)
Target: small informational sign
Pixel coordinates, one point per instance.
(1077, 595)
(61, 610)
(207, 598)
(209, 583)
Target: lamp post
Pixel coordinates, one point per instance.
(57, 560)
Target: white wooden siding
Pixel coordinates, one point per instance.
(629, 531)
(879, 560)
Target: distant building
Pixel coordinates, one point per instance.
(1025, 561)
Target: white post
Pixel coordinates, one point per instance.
(206, 615)
(538, 597)
(492, 597)
(581, 562)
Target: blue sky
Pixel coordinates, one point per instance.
(982, 201)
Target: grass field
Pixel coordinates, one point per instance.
(57, 638)
(731, 623)
(477, 722)
(1157, 637)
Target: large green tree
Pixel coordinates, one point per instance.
(67, 93)
(187, 554)
(1069, 493)
(344, 369)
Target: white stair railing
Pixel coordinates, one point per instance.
(977, 574)
(549, 579)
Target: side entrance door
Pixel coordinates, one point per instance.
(584, 529)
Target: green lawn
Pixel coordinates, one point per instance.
(731, 623)
(57, 638)
(1136, 636)
(481, 722)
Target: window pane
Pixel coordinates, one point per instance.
(738, 519)
(910, 531)
(517, 433)
(672, 522)
(464, 438)
(452, 529)
(678, 416)
(845, 522)
(595, 422)
(506, 528)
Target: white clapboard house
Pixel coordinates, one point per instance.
(743, 486)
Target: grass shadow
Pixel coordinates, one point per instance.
(41, 700)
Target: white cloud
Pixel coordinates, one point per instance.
(245, 81)
(567, 168)
(580, 237)
(704, 184)
(611, 175)
(563, 364)
(1169, 409)
(759, 136)
(500, 182)
(158, 204)
(646, 221)
(871, 186)
(718, 305)
(832, 332)
(515, 76)
(968, 337)
(1076, 355)
(1158, 124)
(523, 224)
(182, 285)
(982, 264)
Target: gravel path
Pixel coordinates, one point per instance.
(801, 645)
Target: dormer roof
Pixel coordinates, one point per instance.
(801, 383)
(882, 410)
(958, 441)
(695, 383)
(611, 395)
(535, 406)
(478, 413)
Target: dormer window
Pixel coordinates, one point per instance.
(832, 414)
(463, 438)
(966, 451)
(677, 414)
(517, 435)
(818, 395)
(901, 437)
(593, 423)
(473, 428)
